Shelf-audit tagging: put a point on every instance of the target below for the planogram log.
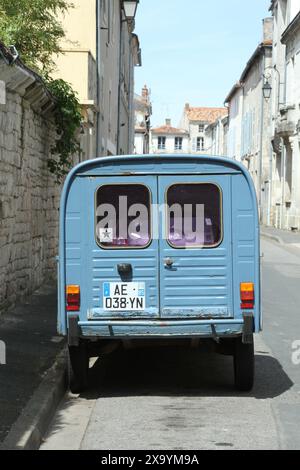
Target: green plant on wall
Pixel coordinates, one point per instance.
(32, 26)
(67, 120)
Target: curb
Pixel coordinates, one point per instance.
(272, 237)
(29, 429)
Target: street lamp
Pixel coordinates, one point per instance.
(130, 8)
(267, 90)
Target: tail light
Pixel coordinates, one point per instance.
(73, 298)
(247, 295)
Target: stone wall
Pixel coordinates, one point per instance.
(29, 201)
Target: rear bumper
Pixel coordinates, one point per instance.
(161, 328)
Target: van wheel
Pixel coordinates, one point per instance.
(78, 366)
(243, 365)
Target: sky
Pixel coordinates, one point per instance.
(193, 51)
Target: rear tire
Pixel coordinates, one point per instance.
(78, 366)
(243, 365)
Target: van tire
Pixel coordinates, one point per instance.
(78, 366)
(243, 365)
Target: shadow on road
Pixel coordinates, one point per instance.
(169, 371)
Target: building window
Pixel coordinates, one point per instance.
(161, 143)
(200, 144)
(201, 127)
(178, 143)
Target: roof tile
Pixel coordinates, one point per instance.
(168, 130)
(206, 114)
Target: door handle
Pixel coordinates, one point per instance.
(168, 262)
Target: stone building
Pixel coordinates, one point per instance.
(99, 56)
(195, 122)
(264, 133)
(168, 139)
(284, 204)
(143, 112)
(29, 197)
(249, 118)
(216, 135)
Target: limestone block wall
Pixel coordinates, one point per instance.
(29, 201)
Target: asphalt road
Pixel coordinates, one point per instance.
(184, 399)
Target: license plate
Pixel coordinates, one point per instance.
(119, 296)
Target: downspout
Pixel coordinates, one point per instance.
(98, 65)
(120, 84)
(270, 185)
(283, 175)
(283, 153)
(261, 142)
(242, 124)
(131, 98)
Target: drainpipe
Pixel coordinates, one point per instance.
(98, 66)
(120, 84)
(242, 125)
(260, 168)
(283, 175)
(130, 98)
(270, 185)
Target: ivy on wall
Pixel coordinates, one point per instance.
(32, 26)
(67, 117)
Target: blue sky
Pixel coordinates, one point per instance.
(193, 51)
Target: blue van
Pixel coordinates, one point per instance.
(159, 248)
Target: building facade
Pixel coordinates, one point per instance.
(195, 122)
(250, 117)
(98, 60)
(264, 128)
(169, 140)
(143, 112)
(216, 135)
(285, 126)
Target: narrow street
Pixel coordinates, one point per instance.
(172, 398)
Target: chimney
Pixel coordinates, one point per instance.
(168, 122)
(267, 29)
(187, 106)
(145, 93)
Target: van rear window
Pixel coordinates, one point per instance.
(123, 216)
(194, 215)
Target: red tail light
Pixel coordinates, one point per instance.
(247, 295)
(73, 298)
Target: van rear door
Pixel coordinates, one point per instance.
(195, 246)
(123, 255)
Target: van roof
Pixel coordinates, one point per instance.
(157, 164)
(134, 165)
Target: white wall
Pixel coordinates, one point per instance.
(291, 186)
(216, 137)
(170, 145)
(194, 134)
(294, 8)
(235, 125)
(138, 143)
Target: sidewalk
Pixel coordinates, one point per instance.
(281, 236)
(32, 348)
